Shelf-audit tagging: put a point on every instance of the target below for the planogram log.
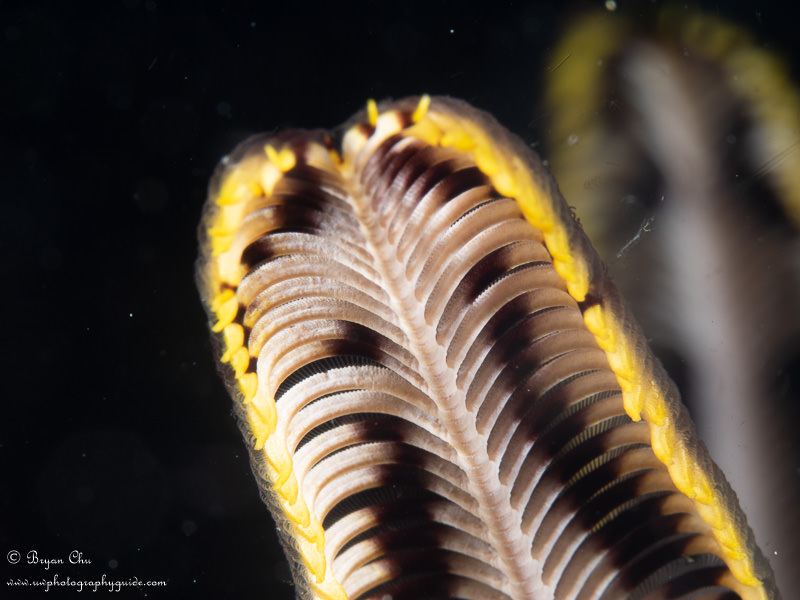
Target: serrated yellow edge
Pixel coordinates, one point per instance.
(512, 176)
(255, 176)
(644, 398)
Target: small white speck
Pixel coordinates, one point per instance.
(452, 30)
(572, 139)
(611, 5)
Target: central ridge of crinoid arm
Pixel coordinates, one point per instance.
(381, 217)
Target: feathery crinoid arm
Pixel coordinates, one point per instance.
(443, 394)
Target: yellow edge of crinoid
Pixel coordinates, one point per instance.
(252, 179)
(646, 394)
(511, 175)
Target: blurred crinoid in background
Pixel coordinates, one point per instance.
(678, 144)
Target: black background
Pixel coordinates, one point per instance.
(117, 436)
